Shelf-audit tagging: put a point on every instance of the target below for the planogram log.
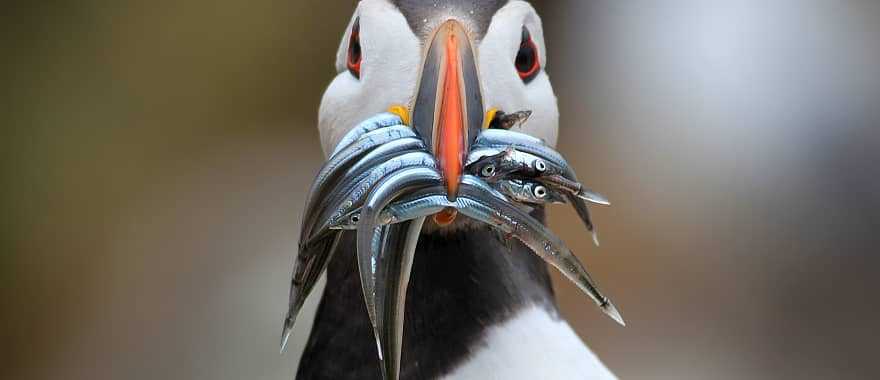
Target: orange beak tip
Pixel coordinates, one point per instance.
(445, 217)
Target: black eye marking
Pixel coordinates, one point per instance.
(527, 63)
(354, 50)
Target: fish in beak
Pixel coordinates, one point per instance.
(441, 155)
(448, 108)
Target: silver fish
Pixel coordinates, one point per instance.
(385, 152)
(401, 211)
(427, 201)
(574, 188)
(369, 230)
(393, 270)
(504, 140)
(314, 254)
(311, 261)
(509, 120)
(382, 120)
(499, 138)
(493, 164)
(356, 194)
(338, 164)
(531, 192)
(479, 203)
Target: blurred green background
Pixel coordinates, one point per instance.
(156, 155)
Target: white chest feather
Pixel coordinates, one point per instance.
(532, 345)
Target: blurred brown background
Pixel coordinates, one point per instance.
(156, 156)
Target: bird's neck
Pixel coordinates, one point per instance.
(462, 283)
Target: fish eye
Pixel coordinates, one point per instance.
(355, 218)
(540, 166)
(540, 191)
(488, 170)
(353, 62)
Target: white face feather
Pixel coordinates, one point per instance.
(389, 71)
(392, 56)
(502, 86)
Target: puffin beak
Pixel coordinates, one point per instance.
(448, 110)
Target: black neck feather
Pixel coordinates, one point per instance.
(461, 284)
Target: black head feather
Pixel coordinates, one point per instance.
(424, 15)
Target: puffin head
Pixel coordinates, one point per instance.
(446, 67)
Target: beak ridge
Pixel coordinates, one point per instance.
(448, 110)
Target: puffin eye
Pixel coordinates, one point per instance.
(527, 63)
(354, 50)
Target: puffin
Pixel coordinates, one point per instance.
(479, 304)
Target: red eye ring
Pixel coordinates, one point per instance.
(353, 62)
(527, 62)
